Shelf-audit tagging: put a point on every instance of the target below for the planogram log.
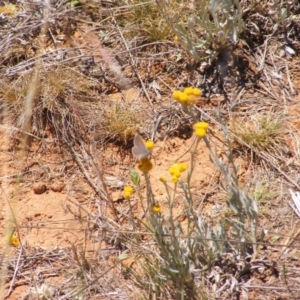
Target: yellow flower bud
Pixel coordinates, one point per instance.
(196, 92)
(156, 208)
(188, 91)
(14, 240)
(200, 132)
(176, 95)
(191, 100)
(162, 179)
(202, 125)
(175, 170)
(128, 190)
(182, 167)
(149, 145)
(183, 97)
(174, 179)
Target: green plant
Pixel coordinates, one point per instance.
(244, 207)
(189, 251)
(211, 28)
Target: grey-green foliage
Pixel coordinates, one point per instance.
(212, 27)
(198, 246)
(244, 207)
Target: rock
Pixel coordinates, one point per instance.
(57, 187)
(39, 188)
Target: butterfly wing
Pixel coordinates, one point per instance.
(139, 149)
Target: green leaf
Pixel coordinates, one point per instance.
(275, 238)
(73, 3)
(135, 177)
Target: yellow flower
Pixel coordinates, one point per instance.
(191, 100)
(182, 167)
(156, 208)
(175, 170)
(196, 92)
(128, 190)
(188, 97)
(188, 90)
(174, 178)
(145, 164)
(175, 38)
(176, 95)
(202, 125)
(162, 178)
(14, 240)
(200, 129)
(183, 97)
(200, 132)
(149, 145)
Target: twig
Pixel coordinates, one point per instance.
(276, 288)
(289, 242)
(101, 192)
(15, 272)
(289, 78)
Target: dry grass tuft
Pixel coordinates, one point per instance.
(145, 20)
(53, 100)
(260, 132)
(121, 121)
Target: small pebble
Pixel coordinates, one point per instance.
(39, 188)
(57, 187)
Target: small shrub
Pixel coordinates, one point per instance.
(188, 253)
(211, 26)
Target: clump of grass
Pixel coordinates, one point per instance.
(121, 121)
(13, 92)
(148, 22)
(55, 83)
(261, 132)
(54, 94)
(59, 81)
(263, 192)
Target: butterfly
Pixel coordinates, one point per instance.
(139, 150)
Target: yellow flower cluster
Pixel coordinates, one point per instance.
(162, 179)
(127, 192)
(189, 96)
(176, 170)
(200, 129)
(145, 164)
